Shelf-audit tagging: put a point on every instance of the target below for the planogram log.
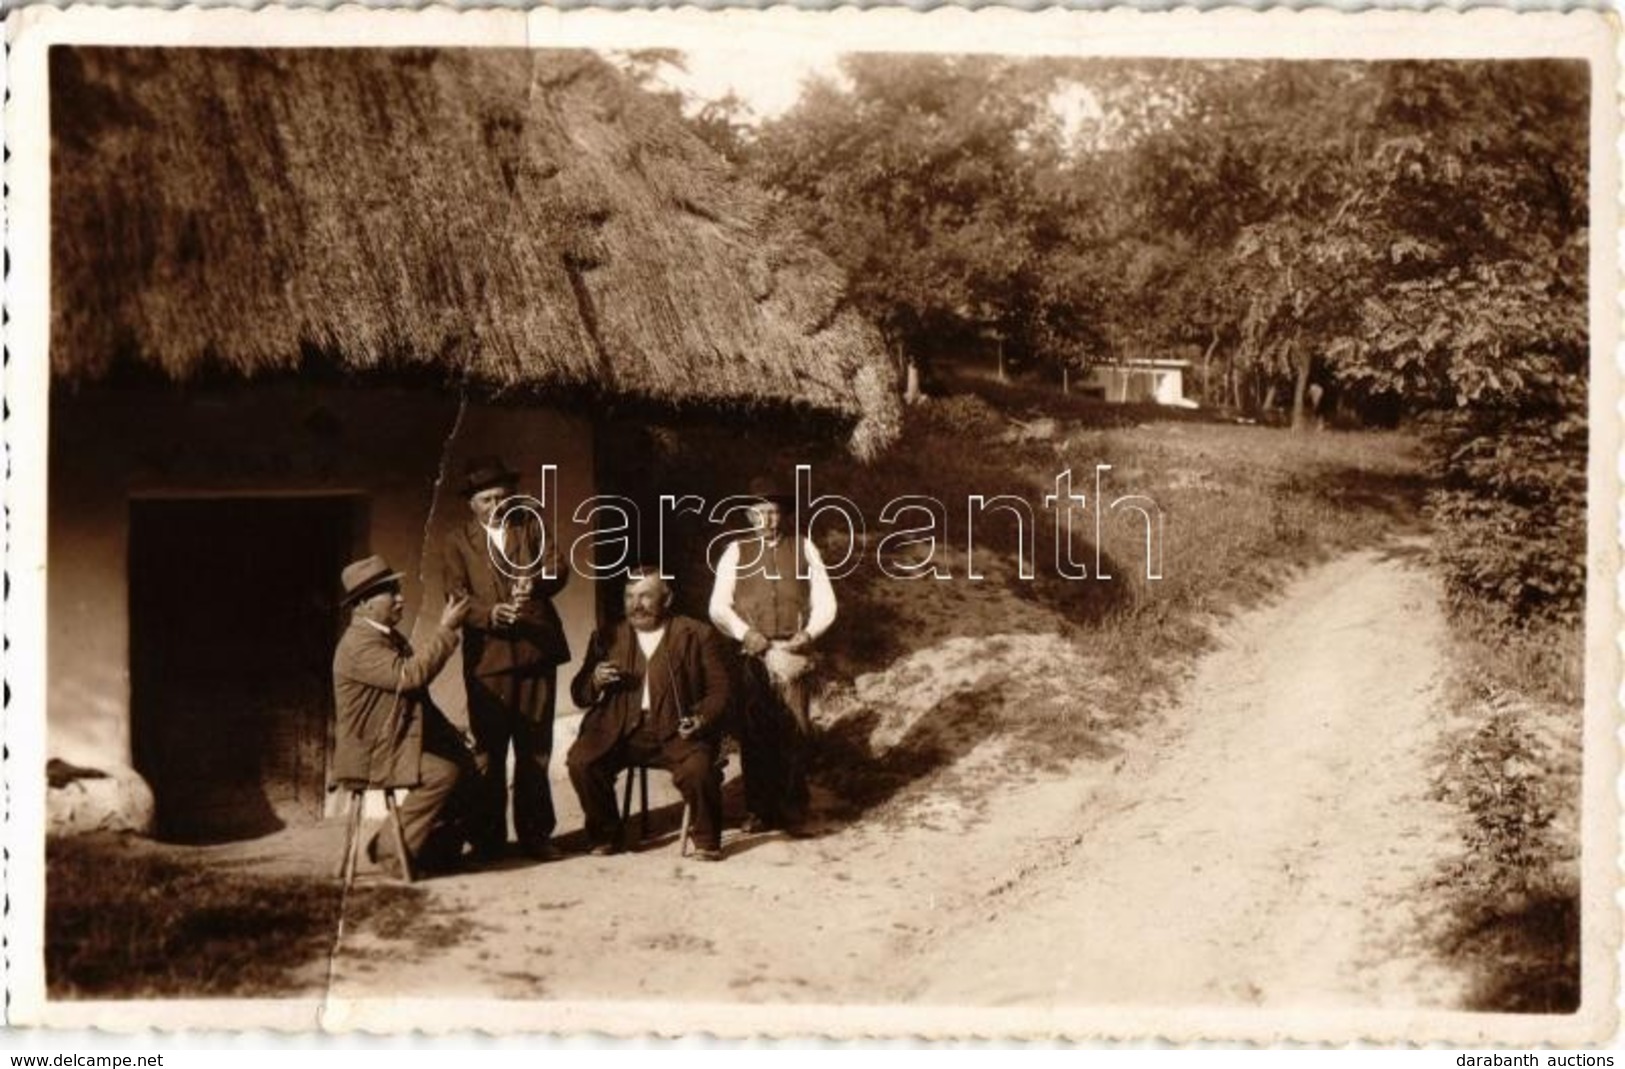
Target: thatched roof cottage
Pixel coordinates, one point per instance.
(290, 290)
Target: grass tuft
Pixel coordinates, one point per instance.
(128, 921)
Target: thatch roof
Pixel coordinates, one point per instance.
(519, 219)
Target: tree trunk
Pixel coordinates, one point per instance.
(902, 363)
(1207, 359)
(894, 346)
(1300, 389)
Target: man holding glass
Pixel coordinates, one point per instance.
(501, 560)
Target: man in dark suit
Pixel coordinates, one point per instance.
(655, 687)
(513, 643)
(389, 732)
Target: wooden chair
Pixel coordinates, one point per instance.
(354, 804)
(641, 774)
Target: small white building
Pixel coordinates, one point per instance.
(1160, 382)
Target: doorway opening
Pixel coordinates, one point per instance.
(233, 618)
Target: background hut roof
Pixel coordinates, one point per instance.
(517, 218)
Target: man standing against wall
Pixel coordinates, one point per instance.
(773, 596)
(513, 644)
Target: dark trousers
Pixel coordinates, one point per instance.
(775, 744)
(435, 814)
(512, 709)
(693, 768)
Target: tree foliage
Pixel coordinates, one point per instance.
(1407, 235)
(1411, 231)
(935, 182)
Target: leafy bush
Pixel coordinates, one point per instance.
(965, 415)
(1511, 512)
(1514, 774)
(1503, 777)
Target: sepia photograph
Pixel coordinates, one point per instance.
(750, 523)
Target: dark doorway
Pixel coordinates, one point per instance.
(233, 618)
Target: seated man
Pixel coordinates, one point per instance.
(389, 731)
(655, 687)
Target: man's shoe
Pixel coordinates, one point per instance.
(604, 849)
(424, 867)
(389, 863)
(753, 824)
(490, 853)
(542, 851)
(707, 853)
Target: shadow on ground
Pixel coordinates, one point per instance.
(1523, 954)
(127, 918)
(1398, 497)
(862, 778)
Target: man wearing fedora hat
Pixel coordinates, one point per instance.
(513, 644)
(773, 597)
(389, 732)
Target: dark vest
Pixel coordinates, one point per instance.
(627, 655)
(777, 607)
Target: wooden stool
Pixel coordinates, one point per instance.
(352, 833)
(641, 774)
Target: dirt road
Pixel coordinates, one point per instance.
(1265, 842)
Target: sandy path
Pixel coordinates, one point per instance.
(1266, 849)
(1258, 846)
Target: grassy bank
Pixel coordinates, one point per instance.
(1241, 508)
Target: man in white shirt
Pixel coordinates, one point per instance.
(773, 597)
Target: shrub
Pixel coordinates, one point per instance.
(1511, 509)
(1514, 773)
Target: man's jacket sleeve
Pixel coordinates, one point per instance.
(713, 703)
(583, 691)
(378, 665)
(552, 564)
(457, 582)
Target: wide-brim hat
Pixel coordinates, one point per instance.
(482, 473)
(366, 577)
(765, 488)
